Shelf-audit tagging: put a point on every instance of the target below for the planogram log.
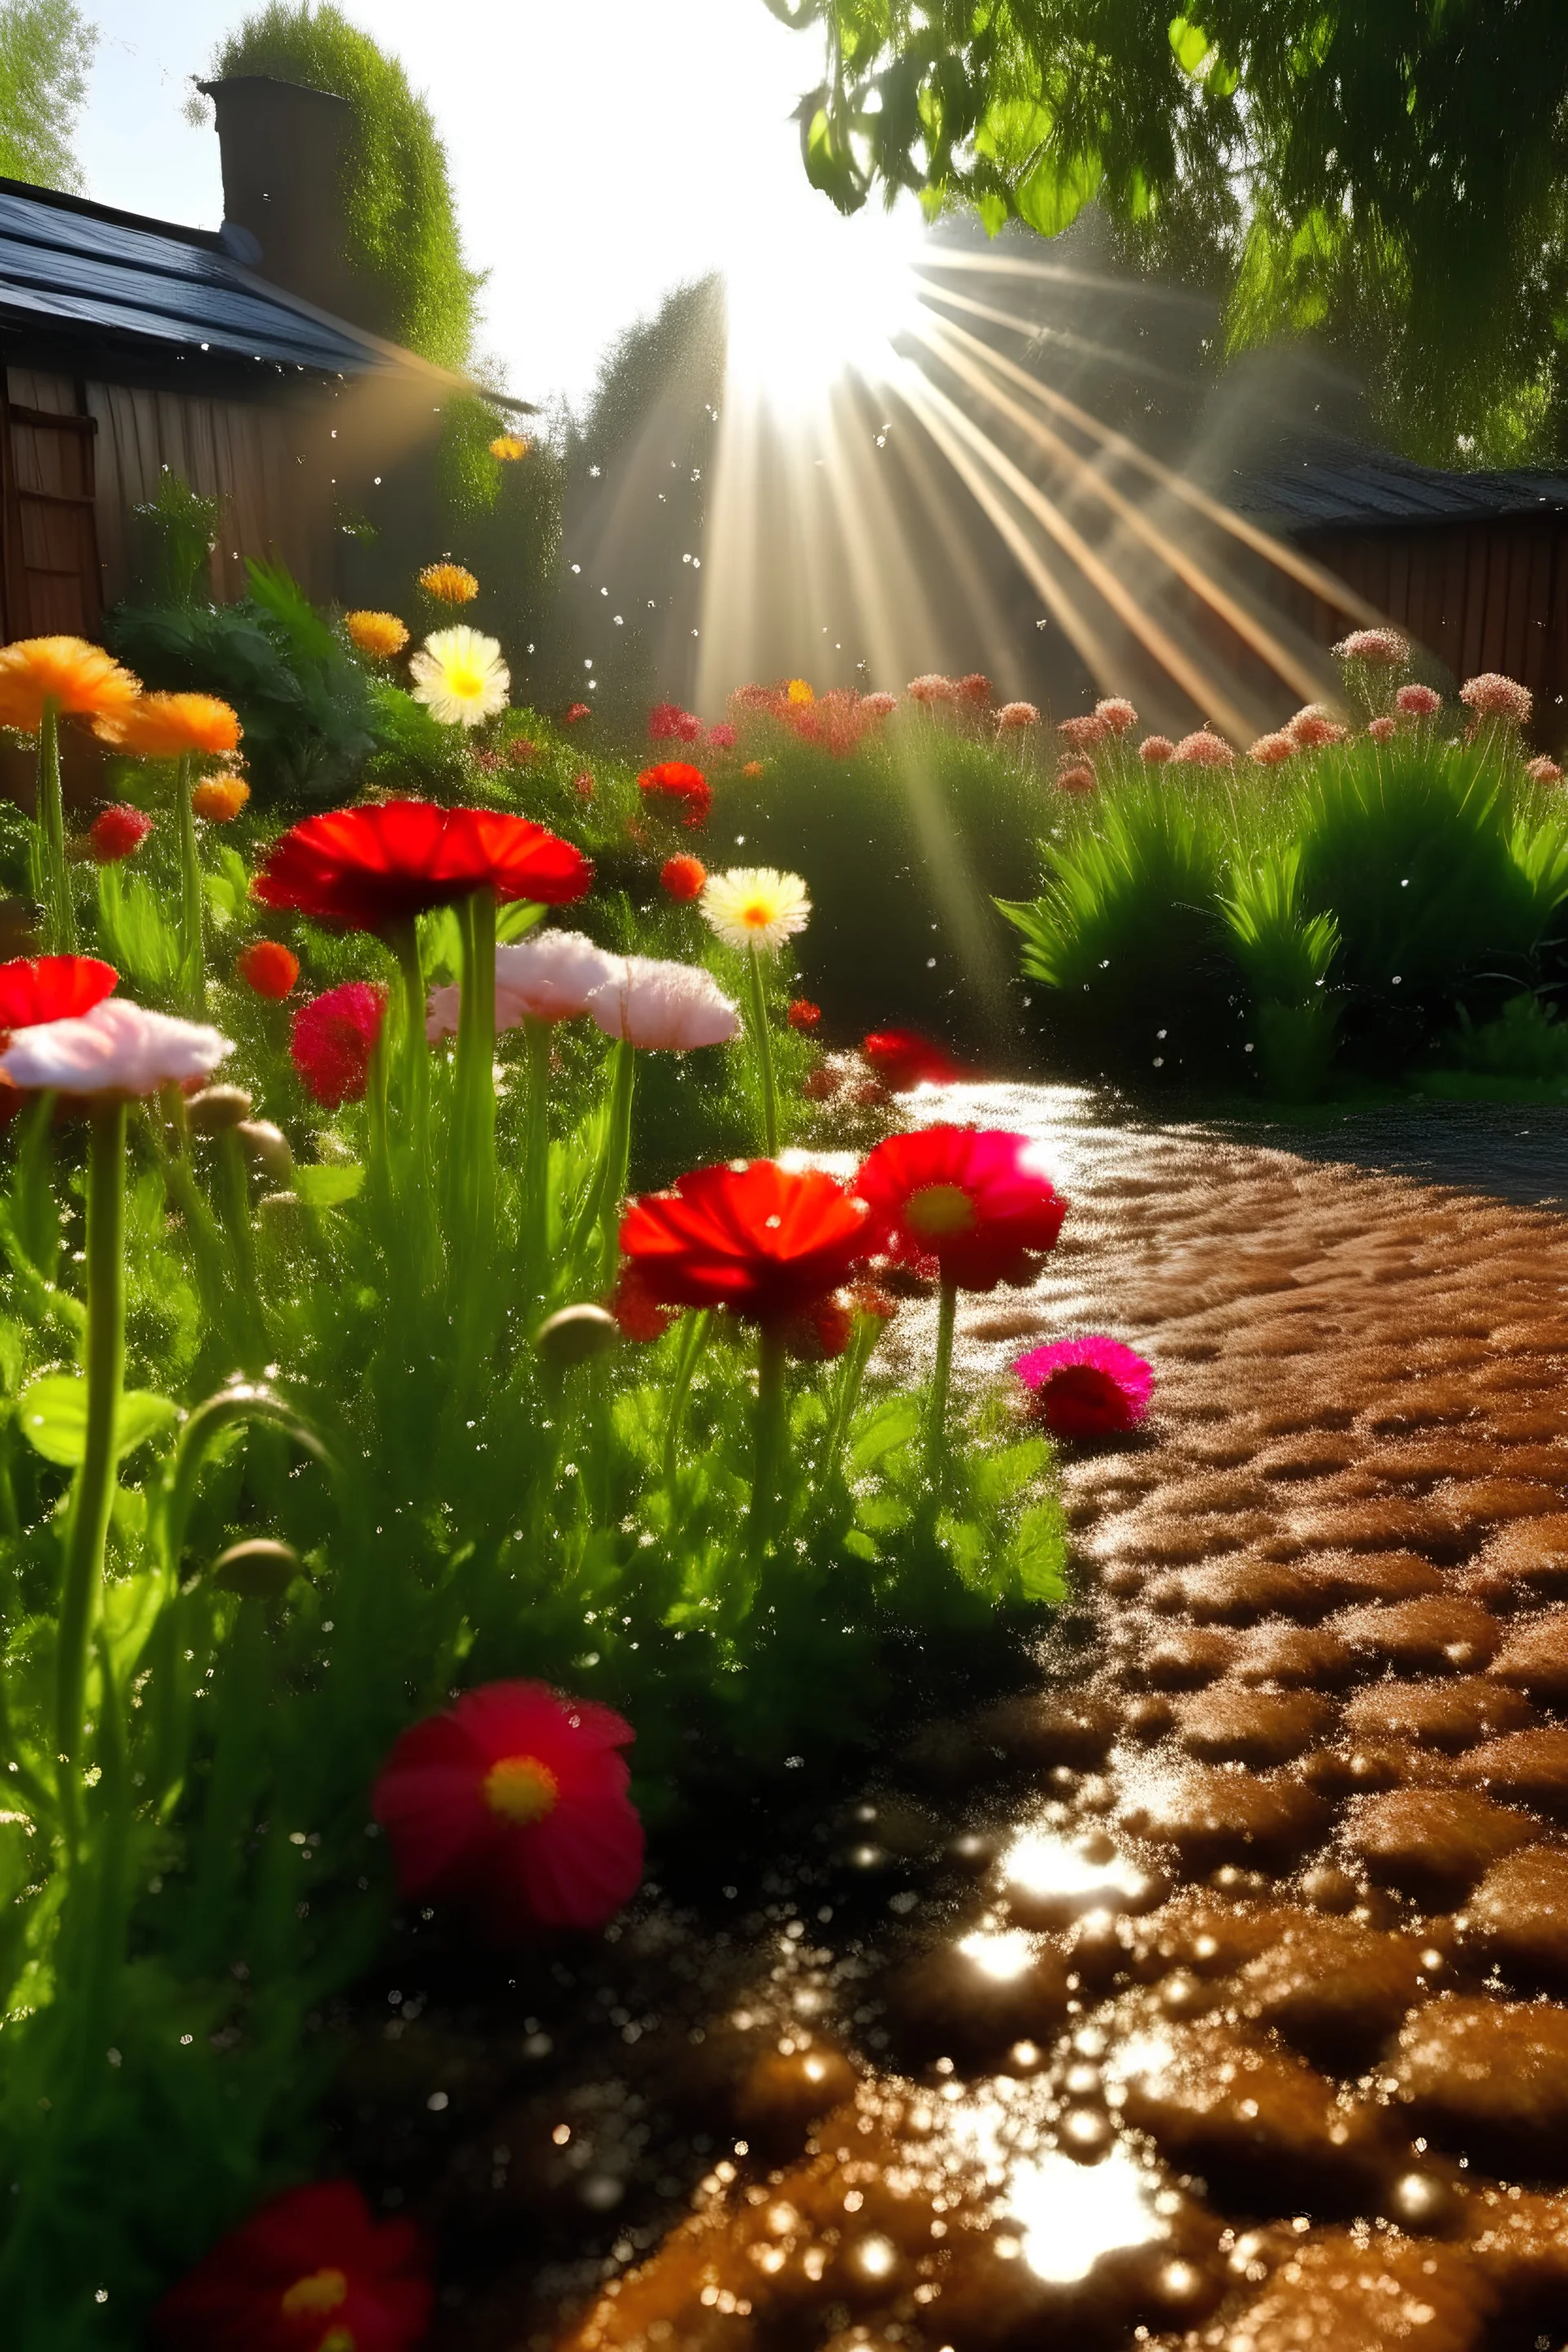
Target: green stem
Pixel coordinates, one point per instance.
(858, 1355)
(609, 1179)
(536, 1035)
(763, 1037)
(193, 957)
(476, 1122)
(95, 1481)
(693, 1339)
(769, 1445)
(942, 1375)
(415, 1186)
(59, 911)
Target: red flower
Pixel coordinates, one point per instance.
(582, 786)
(723, 737)
(35, 988)
(115, 832)
(333, 1038)
(973, 1203)
(680, 781)
(312, 2272)
(759, 1239)
(520, 751)
(268, 967)
(576, 710)
(904, 1059)
(517, 1800)
(635, 1308)
(667, 723)
(1088, 1388)
(802, 1014)
(683, 877)
(371, 868)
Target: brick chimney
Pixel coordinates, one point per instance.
(285, 153)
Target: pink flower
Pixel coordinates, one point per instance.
(1313, 728)
(667, 723)
(116, 1049)
(1075, 778)
(1379, 648)
(1382, 730)
(722, 738)
(1491, 695)
(1017, 714)
(1086, 1388)
(1543, 772)
(666, 1007)
(333, 1038)
(1155, 749)
(515, 1802)
(974, 1203)
(549, 977)
(1205, 748)
(975, 687)
(1418, 701)
(879, 706)
(116, 832)
(1083, 733)
(1116, 714)
(1272, 751)
(930, 687)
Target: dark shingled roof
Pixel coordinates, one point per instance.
(1338, 485)
(67, 263)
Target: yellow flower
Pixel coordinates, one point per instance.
(799, 692)
(379, 634)
(167, 726)
(460, 676)
(508, 447)
(448, 583)
(220, 798)
(74, 675)
(755, 907)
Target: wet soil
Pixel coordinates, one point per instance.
(1213, 1992)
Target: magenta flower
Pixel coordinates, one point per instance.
(1086, 1388)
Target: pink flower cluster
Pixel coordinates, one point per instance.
(669, 723)
(1378, 648)
(1492, 696)
(837, 721)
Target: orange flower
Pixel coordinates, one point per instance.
(168, 726)
(508, 447)
(220, 798)
(67, 671)
(379, 634)
(752, 768)
(448, 583)
(269, 966)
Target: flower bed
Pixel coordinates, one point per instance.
(389, 1509)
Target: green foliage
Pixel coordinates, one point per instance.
(1392, 173)
(1285, 955)
(177, 530)
(1526, 1041)
(46, 49)
(398, 193)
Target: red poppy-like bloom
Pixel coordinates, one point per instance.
(575, 711)
(970, 1203)
(824, 1332)
(1115, 714)
(1083, 733)
(667, 723)
(764, 1241)
(268, 967)
(1418, 701)
(35, 988)
(1086, 1388)
(904, 1059)
(375, 866)
(312, 2272)
(1155, 749)
(1204, 749)
(1492, 696)
(802, 1014)
(115, 833)
(638, 1312)
(333, 1038)
(684, 786)
(683, 877)
(515, 1800)
(1075, 778)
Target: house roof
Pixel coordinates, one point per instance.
(69, 264)
(1337, 484)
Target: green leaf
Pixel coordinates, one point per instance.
(515, 922)
(1189, 42)
(53, 1414)
(895, 1422)
(1038, 1552)
(1052, 195)
(326, 1188)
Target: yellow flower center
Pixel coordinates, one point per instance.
(758, 914)
(521, 1789)
(322, 2292)
(939, 1211)
(465, 683)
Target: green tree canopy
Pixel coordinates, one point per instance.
(1392, 173)
(402, 221)
(45, 51)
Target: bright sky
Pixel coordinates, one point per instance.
(601, 151)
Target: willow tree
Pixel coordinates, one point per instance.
(45, 51)
(1392, 173)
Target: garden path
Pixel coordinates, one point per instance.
(1207, 1995)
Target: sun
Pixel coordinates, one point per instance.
(813, 297)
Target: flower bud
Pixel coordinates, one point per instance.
(574, 1335)
(281, 1215)
(215, 1107)
(258, 1570)
(267, 1147)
